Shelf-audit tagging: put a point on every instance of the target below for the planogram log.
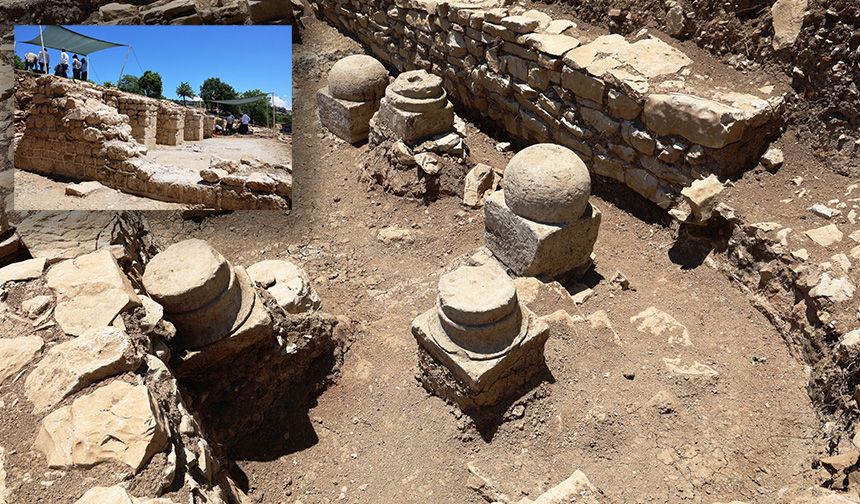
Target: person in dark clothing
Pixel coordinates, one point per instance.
(85, 69)
(76, 67)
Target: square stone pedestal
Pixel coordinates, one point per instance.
(530, 248)
(473, 384)
(348, 120)
(414, 126)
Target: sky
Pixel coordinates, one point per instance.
(246, 57)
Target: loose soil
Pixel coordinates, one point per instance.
(611, 407)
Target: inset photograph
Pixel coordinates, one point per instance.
(153, 118)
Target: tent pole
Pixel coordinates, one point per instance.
(42, 39)
(121, 70)
(274, 123)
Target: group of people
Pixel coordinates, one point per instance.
(244, 122)
(42, 61)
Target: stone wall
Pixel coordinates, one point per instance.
(208, 126)
(71, 130)
(193, 125)
(171, 124)
(632, 109)
(142, 113)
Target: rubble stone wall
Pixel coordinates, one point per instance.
(72, 130)
(626, 107)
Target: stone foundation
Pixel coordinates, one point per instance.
(626, 106)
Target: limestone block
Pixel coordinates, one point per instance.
(702, 196)
(349, 120)
(70, 366)
(480, 181)
(787, 21)
(530, 248)
(357, 78)
(118, 422)
(91, 291)
(414, 126)
(15, 353)
(705, 122)
(287, 283)
(23, 270)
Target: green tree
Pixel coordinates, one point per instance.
(260, 111)
(108, 84)
(150, 84)
(129, 84)
(19, 63)
(184, 91)
(214, 88)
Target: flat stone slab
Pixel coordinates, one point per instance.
(91, 291)
(74, 364)
(24, 270)
(15, 353)
(118, 422)
(83, 189)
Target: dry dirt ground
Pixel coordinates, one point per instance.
(39, 192)
(610, 407)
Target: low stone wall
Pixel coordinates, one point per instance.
(171, 124)
(72, 131)
(208, 126)
(142, 113)
(631, 109)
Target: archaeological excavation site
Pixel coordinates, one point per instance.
(539, 252)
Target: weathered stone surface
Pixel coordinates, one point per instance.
(705, 122)
(186, 275)
(65, 235)
(702, 195)
(116, 495)
(480, 181)
(91, 291)
(787, 21)
(15, 353)
(23, 270)
(349, 120)
(70, 366)
(477, 295)
(531, 248)
(554, 45)
(547, 183)
(117, 422)
(83, 189)
(415, 107)
(772, 159)
(357, 78)
(287, 283)
(825, 236)
(577, 488)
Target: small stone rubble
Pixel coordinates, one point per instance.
(81, 131)
(356, 84)
(541, 223)
(417, 143)
(631, 108)
(479, 346)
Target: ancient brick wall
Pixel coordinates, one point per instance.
(627, 107)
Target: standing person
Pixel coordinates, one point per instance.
(64, 64)
(44, 61)
(85, 75)
(246, 120)
(76, 67)
(30, 61)
(230, 120)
